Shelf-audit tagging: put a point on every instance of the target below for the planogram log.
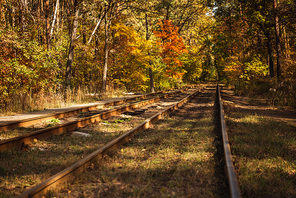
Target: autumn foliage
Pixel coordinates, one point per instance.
(137, 45)
(172, 47)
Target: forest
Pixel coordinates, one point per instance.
(63, 50)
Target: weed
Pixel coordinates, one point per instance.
(53, 122)
(119, 121)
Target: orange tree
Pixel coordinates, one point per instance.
(172, 47)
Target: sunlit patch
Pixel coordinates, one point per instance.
(246, 119)
(175, 159)
(264, 152)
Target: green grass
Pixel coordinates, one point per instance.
(53, 122)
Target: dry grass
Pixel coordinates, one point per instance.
(264, 151)
(177, 160)
(23, 169)
(46, 100)
(169, 161)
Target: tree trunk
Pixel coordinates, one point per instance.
(39, 26)
(286, 42)
(2, 13)
(277, 39)
(84, 24)
(12, 16)
(168, 11)
(47, 25)
(22, 17)
(98, 24)
(54, 19)
(270, 56)
(150, 70)
(106, 52)
(72, 46)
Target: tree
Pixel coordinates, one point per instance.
(277, 38)
(72, 44)
(172, 47)
(107, 26)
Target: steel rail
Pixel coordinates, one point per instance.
(57, 181)
(68, 113)
(230, 171)
(70, 126)
(73, 111)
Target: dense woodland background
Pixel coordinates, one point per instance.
(61, 50)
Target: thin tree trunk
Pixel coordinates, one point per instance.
(168, 12)
(2, 13)
(94, 31)
(12, 16)
(59, 17)
(39, 26)
(277, 39)
(270, 56)
(22, 17)
(47, 25)
(150, 70)
(286, 42)
(72, 46)
(84, 24)
(106, 52)
(54, 19)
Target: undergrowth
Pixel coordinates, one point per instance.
(280, 93)
(42, 100)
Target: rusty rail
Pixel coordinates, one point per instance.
(230, 171)
(70, 126)
(58, 181)
(68, 113)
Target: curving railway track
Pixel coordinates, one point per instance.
(144, 114)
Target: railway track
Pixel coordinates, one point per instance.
(9, 125)
(149, 115)
(24, 140)
(229, 168)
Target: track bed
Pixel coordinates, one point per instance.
(177, 158)
(45, 158)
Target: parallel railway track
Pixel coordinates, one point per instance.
(67, 175)
(73, 111)
(58, 181)
(24, 140)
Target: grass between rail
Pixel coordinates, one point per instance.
(22, 169)
(25, 130)
(175, 159)
(264, 149)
